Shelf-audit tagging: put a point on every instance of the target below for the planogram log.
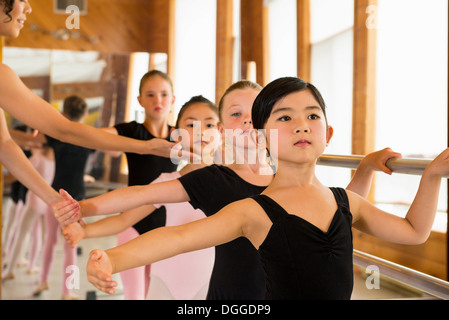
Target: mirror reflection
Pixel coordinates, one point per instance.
(109, 85)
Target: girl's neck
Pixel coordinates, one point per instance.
(158, 128)
(293, 175)
(252, 164)
(192, 166)
(250, 168)
(253, 174)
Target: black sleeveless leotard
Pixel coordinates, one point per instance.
(143, 169)
(70, 165)
(303, 262)
(237, 273)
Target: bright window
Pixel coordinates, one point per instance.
(195, 50)
(411, 89)
(332, 65)
(282, 38)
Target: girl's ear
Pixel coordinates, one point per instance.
(330, 133)
(138, 99)
(220, 127)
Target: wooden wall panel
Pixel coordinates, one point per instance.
(254, 38)
(304, 39)
(364, 85)
(161, 15)
(225, 47)
(364, 78)
(121, 25)
(428, 257)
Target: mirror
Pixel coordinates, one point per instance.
(64, 72)
(109, 83)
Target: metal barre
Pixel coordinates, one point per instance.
(403, 165)
(412, 278)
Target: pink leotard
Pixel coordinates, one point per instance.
(186, 274)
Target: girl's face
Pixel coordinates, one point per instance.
(10, 27)
(156, 98)
(302, 131)
(199, 129)
(236, 115)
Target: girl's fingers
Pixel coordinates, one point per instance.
(65, 194)
(68, 219)
(95, 274)
(105, 286)
(66, 212)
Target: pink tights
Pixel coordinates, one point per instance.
(135, 281)
(51, 240)
(26, 220)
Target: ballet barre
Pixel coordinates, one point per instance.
(412, 166)
(420, 281)
(97, 188)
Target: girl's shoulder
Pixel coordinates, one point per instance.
(6, 73)
(10, 86)
(354, 203)
(4, 68)
(247, 207)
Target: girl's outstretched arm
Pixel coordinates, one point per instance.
(26, 106)
(161, 243)
(119, 200)
(416, 226)
(361, 181)
(13, 158)
(75, 232)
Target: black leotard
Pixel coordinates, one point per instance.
(237, 272)
(143, 169)
(70, 164)
(303, 262)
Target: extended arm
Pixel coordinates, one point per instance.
(75, 232)
(13, 158)
(162, 243)
(416, 226)
(120, 200)
(24, 105)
